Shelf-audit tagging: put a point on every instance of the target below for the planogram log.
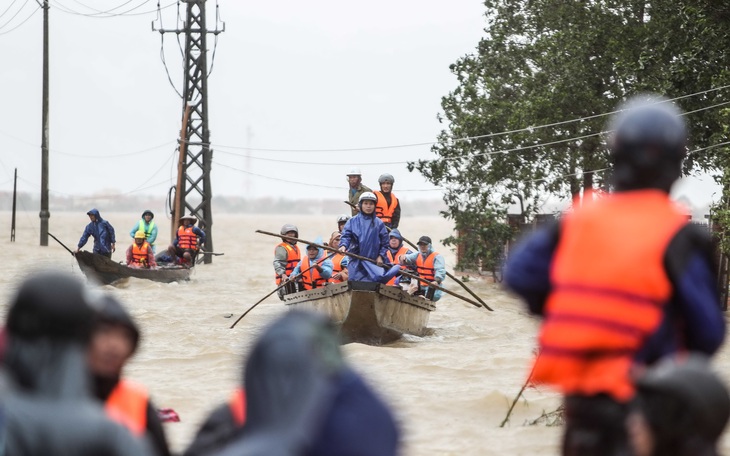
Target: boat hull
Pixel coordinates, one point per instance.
(367, 312)
(106, 271)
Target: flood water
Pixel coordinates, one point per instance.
(449, 391)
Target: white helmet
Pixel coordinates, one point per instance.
(354, 172)
(369, 196)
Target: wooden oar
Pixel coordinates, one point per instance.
(62, 245)
(283, 284)
(370, 260)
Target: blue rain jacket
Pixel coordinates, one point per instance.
(102, 232)
(366, 235)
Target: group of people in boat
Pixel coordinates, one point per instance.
(367, 246)
(142, 252)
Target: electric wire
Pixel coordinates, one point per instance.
(21, 23)
(8, 8)
(127, 13)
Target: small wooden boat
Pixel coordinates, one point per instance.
(367, 312)
(107, 271)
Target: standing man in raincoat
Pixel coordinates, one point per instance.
(103, 233)
(365, 235)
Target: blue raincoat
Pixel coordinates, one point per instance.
(366, 235)
(102, 232)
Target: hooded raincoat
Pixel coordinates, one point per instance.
(366, 235)
(102, 232)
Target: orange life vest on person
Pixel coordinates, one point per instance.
(292, 259)
(336, 266)
(425, 267)
(237, 405)
(127, 405)
(609, 288)
(394, 260)
(186, 239)
(383, 210)
(312, 278)
(139, 254)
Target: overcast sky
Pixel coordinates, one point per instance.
(287, 74)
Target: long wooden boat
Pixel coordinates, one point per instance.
(107, 271)
(367, 312)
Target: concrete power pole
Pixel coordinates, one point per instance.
(194, 188)
(45, 214)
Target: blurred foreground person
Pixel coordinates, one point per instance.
(621, 281)
(114, 340)
(681, 409)
(50, 410)
(303, 400)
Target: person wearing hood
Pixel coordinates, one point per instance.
(339, 260)
(103, 233)
(315, 268)
(387, 207)
(148, 227)
(302, 398)
(114, 340)
(354, 179)
(430, 266)
(50, 409)
(365, 235)
(395, 250)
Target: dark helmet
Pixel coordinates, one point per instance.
(647, 144)
(686, 400)
(343, 218)
(148, 212)
(51, 305)
(112, 312)
(386, 178)
(289, 227)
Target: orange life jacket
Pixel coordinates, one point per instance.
(609, 288)
(127, 405)
(394, 260)
(336, 266)
(425, 267)
(186, 239)
(383, 210)
(139, 254)
(292, 259)
(237, 405)
(312, 278)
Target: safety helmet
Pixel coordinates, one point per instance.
(648, 143)
(698, 392)
(148, 212)
(354, 172)
(367, 196)
(53, 305)
(289, 227)
(386, 178)
(343, 218)
(140, 235)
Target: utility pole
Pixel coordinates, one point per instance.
(45, 214)
(194, 189)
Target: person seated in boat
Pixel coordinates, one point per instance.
(430, 266)
(341, 220)
(139, 254)
(105, 241)
(339, 260)
(313, 270)
(286, 257)
(114, 340)
(365, 235)
(148, 227)
(187, 242)
(301, 398)
(395, 250)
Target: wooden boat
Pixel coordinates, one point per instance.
(367, 312)
(107, 271)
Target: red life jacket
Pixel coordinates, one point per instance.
(140, 254)
(186, 239)
(311, 279)
(383, 210)
(425, 267)
(609, 288)
(292, 259)
(336, 266)
(237, 405)
(394, 260)
(127, 405)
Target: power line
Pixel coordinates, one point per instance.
(8, 8)
(22, 22)
(127, 13)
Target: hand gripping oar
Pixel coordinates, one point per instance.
(283, 284)
(62, 245)
(370, 260)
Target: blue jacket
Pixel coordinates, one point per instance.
(365, 235)
(439, 266)
(102, 232)
(692, 317)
